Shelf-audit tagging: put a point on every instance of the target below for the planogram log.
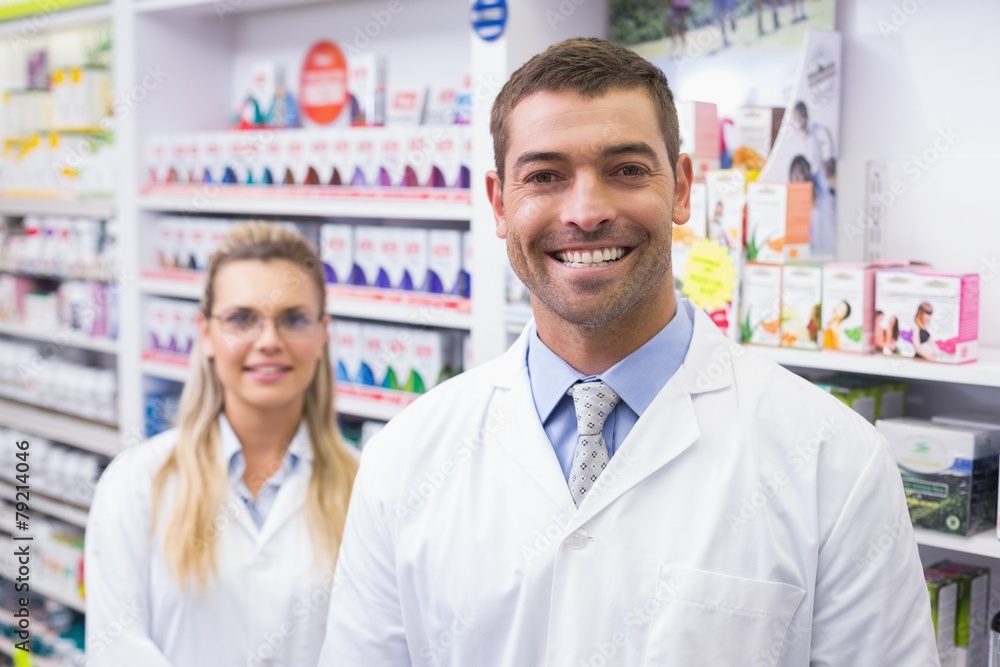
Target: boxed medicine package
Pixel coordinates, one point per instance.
(972, 639)
(949, 473)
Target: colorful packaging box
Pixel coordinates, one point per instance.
(444, 262)
(972, 632)
(848, 307)
(756, 128)
(406, 107)
(943, 591)
(949, 473)
(699, 132)
(390, 259)
(347, 350)
(801, 294)
(414, 241)
(726, 200)
(985, 421)
(760, 316)
(465, 280)
(366, 87)
(927, 315)
(365, 148)
(337, 252)
(367, 260)
(778, 221)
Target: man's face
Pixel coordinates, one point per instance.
(587, 203)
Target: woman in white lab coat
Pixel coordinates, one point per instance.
(214, 543)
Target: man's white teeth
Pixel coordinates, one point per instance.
(599, 257)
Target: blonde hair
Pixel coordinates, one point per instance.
(190, 541)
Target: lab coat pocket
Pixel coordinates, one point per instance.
(707, 618)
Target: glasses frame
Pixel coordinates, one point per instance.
(259, 329)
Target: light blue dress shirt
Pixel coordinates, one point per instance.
(637, 379)
(237, 466)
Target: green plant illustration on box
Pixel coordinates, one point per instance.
(754, 248)
(854, 333)
(746, 331)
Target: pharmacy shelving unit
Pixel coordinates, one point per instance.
(207, 47)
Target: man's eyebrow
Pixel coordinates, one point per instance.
(634, 148)
(538, 156)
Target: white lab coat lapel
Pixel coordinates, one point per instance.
(291, 497)
(669, 425)
(520, 431)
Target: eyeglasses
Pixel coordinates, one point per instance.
(249, 323)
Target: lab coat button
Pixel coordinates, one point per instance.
(577, 539)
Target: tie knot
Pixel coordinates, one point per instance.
(593, 401)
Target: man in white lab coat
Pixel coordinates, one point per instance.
(624, 486)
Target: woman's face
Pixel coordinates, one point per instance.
(840, 312)
(268, 366)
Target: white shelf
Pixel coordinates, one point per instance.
(85, 208)
(85, 434)
(371, 402)
(981, 544)
(414, 308)
(165, 366)
(73, 602)
(214, 8)
(174, 283)
(49, 506)
(68, 18)
(66, 337)
(325, 202)
(985, 372)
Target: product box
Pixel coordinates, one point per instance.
(414, 242)
(337, 253)
(927, 315)
(372, 371)
(451, 169)
(465, 279)
(295, 156)
(848, 307)
(367, 261)
(943, 591)
(698, 123)
(725, 200)
(393, 160)
(366, 89)
(972, 631)
(390, 257)
(859, 397)
(778, 221)
(365, 149)
(949, 473)
(760, 301)
(698, 222)
(159, 154)
(406, 107)
(347, 350)
(756, 128)
(210, 147)
(986, 421)
(320, 156)
(442, 106)
(801, 294)
(427, 362)
(444, 262)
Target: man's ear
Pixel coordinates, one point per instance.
(494, 190)
(682, 189)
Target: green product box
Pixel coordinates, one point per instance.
(949, 473)
(972, 638)
(859, 398)
(889, 395)
(943, 591)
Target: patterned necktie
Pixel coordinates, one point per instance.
(593, 401)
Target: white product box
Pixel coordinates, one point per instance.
(778, 221)
(698, 123)
(321, 156)
(848, 307)
(210, 147)
(698, 222)
(347, 350)
(406, 107)
(415, 243)
(367, 241)
(801, 298)
(390, 257)
(421, 145)
(343, 159)
(365, 148)
(441, 106)
(756, 128)
(159, 324)
(295, 149)
(159, 154)
(465, 287)
(444, 261)
(724, 189)
(929, 315)
(366, 87)
(428, 360)
(337, 252)
(760, 318)
(375, 361)
(271, 165)
(448, 158)
(393, 160)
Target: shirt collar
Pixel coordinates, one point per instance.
(637, 378)
(232, 451)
